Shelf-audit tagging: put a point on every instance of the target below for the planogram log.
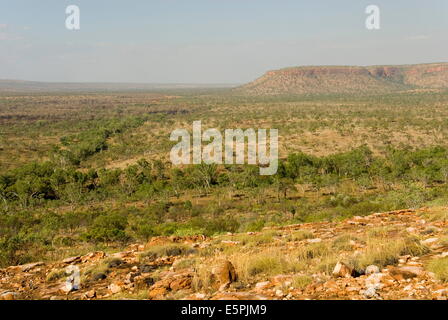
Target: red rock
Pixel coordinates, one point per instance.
(224, 273)
(341, 270)
(181, 283)
(404, 273)
(157, 292)
(8, 296)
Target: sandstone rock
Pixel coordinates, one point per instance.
(196, 296)
(93, 256)
(370, 293)
(157, 292)
(341, 270)
(181, 283)
(143, 282)
(372, 269)
(230, 242)
(30, 266)
(131, 276)
(72, 260)
(403, 273)
(224, 272)
(115, 288)
(91, 294)
(374, 280)
(260, 286)
(281, 280)
(430, 241)
(238, 296)
(146, 268)
(67, 287)
(279, 293)
(8, 295)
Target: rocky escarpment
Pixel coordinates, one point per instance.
(349, 79)
(233, 267)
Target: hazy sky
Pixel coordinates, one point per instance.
(211, 41)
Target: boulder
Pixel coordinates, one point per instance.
(341, 270)
(224, 272)
(8, 295)
(372, 269)
(72, 260)
(181, 283)
(404, 273)
(30, 266)
(115, 288)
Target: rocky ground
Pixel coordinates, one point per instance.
(392, 255)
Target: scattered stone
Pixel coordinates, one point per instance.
(67, 287)
(72, 260)
(370, 293)
(115, 288)
(238, 296)
(91, 294)
(408, 280)
(372, 269)
(430, 241)
(157, 292)
(411, 230)
(8, 295)
(404, 273)
(147, 268)
(143, 282)
(279, 293)
(196, 296)
(263, 285)
(30, 266)
(181, 283)
(230, 242)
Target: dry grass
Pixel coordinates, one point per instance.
(256, 239)
(55, 275)
(343, 242)
(300, 235)
(436, 214)
(171, 249)
(301, 281)
(383, 251)
(440, 268)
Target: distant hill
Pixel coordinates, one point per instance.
(349, 79)
(35, 86)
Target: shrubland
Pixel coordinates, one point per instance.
(85, 172)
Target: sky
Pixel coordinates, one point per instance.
(211, 41)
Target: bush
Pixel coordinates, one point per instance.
(108, 228)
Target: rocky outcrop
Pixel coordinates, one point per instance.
(127, 275)
(349, 79)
